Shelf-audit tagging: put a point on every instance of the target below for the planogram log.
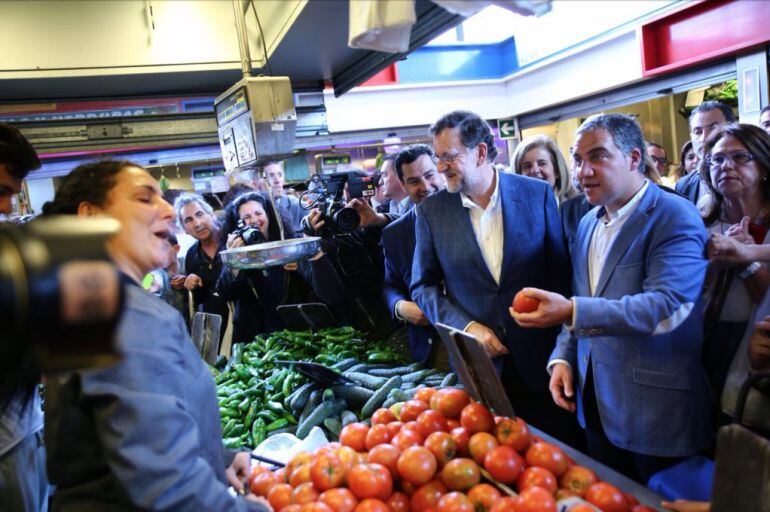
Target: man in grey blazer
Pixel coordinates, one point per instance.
(480, 241)
(633, 329)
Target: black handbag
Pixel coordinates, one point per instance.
(742, 469)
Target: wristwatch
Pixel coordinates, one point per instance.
(750, 270)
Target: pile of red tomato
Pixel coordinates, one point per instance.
(428, 455)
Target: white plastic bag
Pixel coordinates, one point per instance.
(381, 25)
(283, 447)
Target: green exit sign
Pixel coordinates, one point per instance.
(506, 128)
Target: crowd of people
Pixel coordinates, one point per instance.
(651, 285)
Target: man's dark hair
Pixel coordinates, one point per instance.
(472, 129)
(656, 145)
(388, 157)
(708, 106)
(16, 152)
(408, 155)
(766, 108)
(625, 132)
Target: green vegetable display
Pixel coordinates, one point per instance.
(259, 399)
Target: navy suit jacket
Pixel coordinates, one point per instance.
(571, 212)
(689, 186)
(398, 246)
(452, 284)
(642, 328)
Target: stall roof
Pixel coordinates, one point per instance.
(313, 51)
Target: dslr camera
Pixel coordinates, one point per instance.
(327, 194)
(251, 235)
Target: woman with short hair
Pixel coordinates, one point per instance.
(539, 157)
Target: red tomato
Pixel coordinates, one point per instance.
(449, 402)
(398, 502)
(483, 496)
(455, 502)
(581, 507)
(452, 424)
(642, 508)
(256, 471)
(477, 418)
(291, 508)
(480, 444)
(578, 479)
(462, 438)
(607, 498)
(431, 421)
(340, 500)
(370, 481)
(406, 438)
(394, 427)
(506, 504)
(300, 475)
(442, 446)
(372, 505)
(354, 436)
(316, 507)
(386, 455)
(427, 496)
(547, 456)
(417, 465)
(535, 499)
(504, 464)
(523, 304)
(281, 475)
(536, 477)
(412, 409)
(298, 460)
(460, 474)
(378, 434)
(327, 471)
(513, 433)
(304, 493)
(382, 417)
(262, 483)
(280, 496)
(425, 394)
(631, 499)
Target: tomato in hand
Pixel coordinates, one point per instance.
(370, 481)
(483, 496)
(547, 456)
(354, 436)
(450, 402)
(504, 464)
(454, 502)
(386, 455)
(340, 500)
(524, 304)
(442, 446)
(607, 498)
(417, 465)
(536, 477)
(578, 479)
(327, 471)
(535, 499)
(431, 421)
(477, 418)
(460, 474)
(480, 444)
(513, 433)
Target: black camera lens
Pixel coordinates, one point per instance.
(346, 220)
(252, 235)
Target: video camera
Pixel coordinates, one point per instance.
(327, 194)
(60, 297)
(251, 235)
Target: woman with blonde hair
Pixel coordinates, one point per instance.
(539, 157)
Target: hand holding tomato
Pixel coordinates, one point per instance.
(553, 309)
(523, 303)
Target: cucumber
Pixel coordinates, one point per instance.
(353, 393)
(312, 403)
(387, 403)
(398, 395)
(315, 418)
(333, 426)
(348, 417)
(414, 367)
(380, 396)
(345, 364)
(360, 367)
(415, 377)
(389, 372)
(367, 381)
(285, 430)
(449, 380)
(301, 396)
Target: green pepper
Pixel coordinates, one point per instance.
(280, 423)
(226, 412)
(237, 430)
(228, 427)
(275, 407)
(244, 405)
(250, 415)
(258, 431)
(231, 443)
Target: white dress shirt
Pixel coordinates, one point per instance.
(400, 206)
(488, 227)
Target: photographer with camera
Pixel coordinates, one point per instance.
(143, 433)
(251, 219)
(351, 235)
(23, 481)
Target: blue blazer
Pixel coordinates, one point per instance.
(642, 328)
(452, 284)
(689, 186)
(398, 246)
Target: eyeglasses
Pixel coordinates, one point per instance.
(446, 158)
(736, 158)
(659, 160)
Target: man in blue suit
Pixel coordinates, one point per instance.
(704, 119)
(478, 243)
(417, 173)
(633, 332)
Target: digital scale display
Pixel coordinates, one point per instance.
(207, 173)
(330, 161)
(232, 106)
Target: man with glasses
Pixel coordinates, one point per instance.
(658, 156)
(479, 242)
(704, 119)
